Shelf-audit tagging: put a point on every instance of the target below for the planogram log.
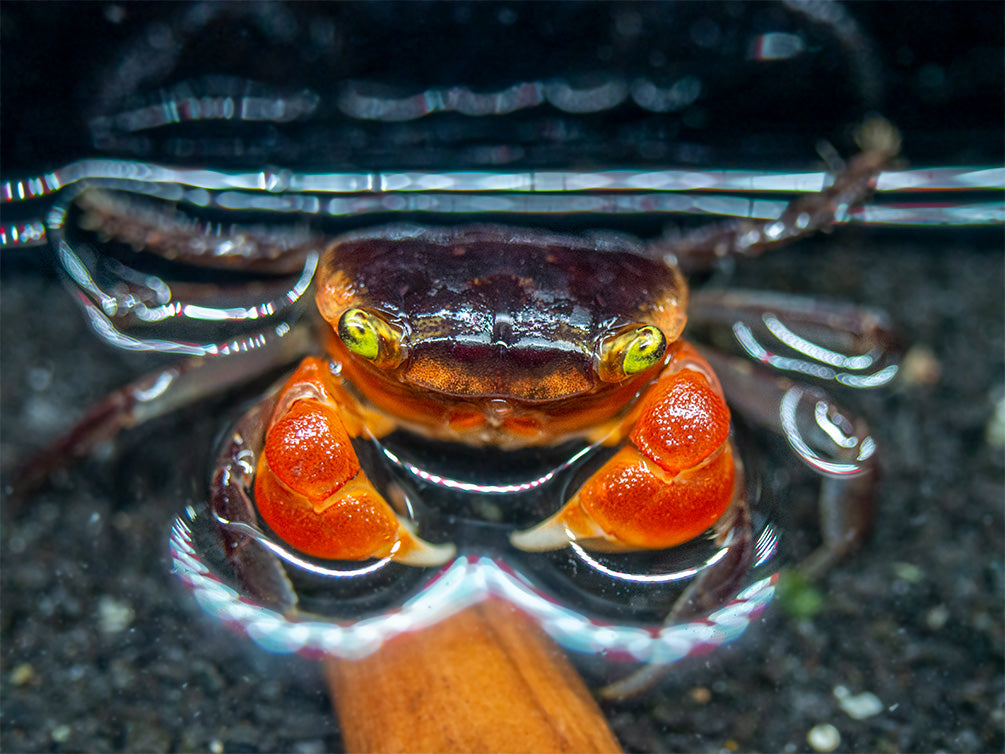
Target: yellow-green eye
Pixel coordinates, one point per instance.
(370, 336)
(631, 351)
(646, 347)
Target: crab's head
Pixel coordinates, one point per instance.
(495, 333)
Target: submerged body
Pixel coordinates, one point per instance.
(501, 339)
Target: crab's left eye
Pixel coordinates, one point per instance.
(630, 351)
(371, 336)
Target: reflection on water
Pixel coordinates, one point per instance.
(465, 581)
(651, 607)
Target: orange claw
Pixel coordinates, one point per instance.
(672, 482)
(632, 503)
(310, 488)
(309, 450)
(354, 525)
(683, 421)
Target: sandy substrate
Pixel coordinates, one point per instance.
(103, 650)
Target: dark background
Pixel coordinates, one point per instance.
(915, 619)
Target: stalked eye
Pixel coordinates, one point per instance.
(371, 336)
(630, 351)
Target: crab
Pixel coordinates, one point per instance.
(506, 339)
(505, 348)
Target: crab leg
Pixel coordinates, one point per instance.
(670, 482)
(172, 236)
(258, 570)
(830, 440)
(133, 297)
(710, 590)
(310, 487)
(164, 391)
(828, 340)
(705, 247)
(127, 296)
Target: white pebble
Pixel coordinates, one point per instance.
(113, 616)
(823, 737)
(937, 617)
(858, 706)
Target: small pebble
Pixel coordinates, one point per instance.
(40, 378)
(61, 734)
(908, 572)
(114, 617)
(937, 617)
(823, 737)
(858, 706)
(701, 695)
(22, 674)
(920, 366)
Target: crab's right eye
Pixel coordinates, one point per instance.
(371, 336)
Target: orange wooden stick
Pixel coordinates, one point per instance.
(485, 680)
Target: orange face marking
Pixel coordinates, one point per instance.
(309, 450)
(462, 419)
(643, 506)
(491, 374)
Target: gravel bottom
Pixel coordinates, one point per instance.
(103, 650)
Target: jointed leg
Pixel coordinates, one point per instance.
(166, 390)
(121, 297)
(831, 441)
(168, 234)
(704, 247)
(710, 590)
(852, 345)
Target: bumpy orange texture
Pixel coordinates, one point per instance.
(358, 525)
(634, 500)
(309, 450)
(683, 421)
